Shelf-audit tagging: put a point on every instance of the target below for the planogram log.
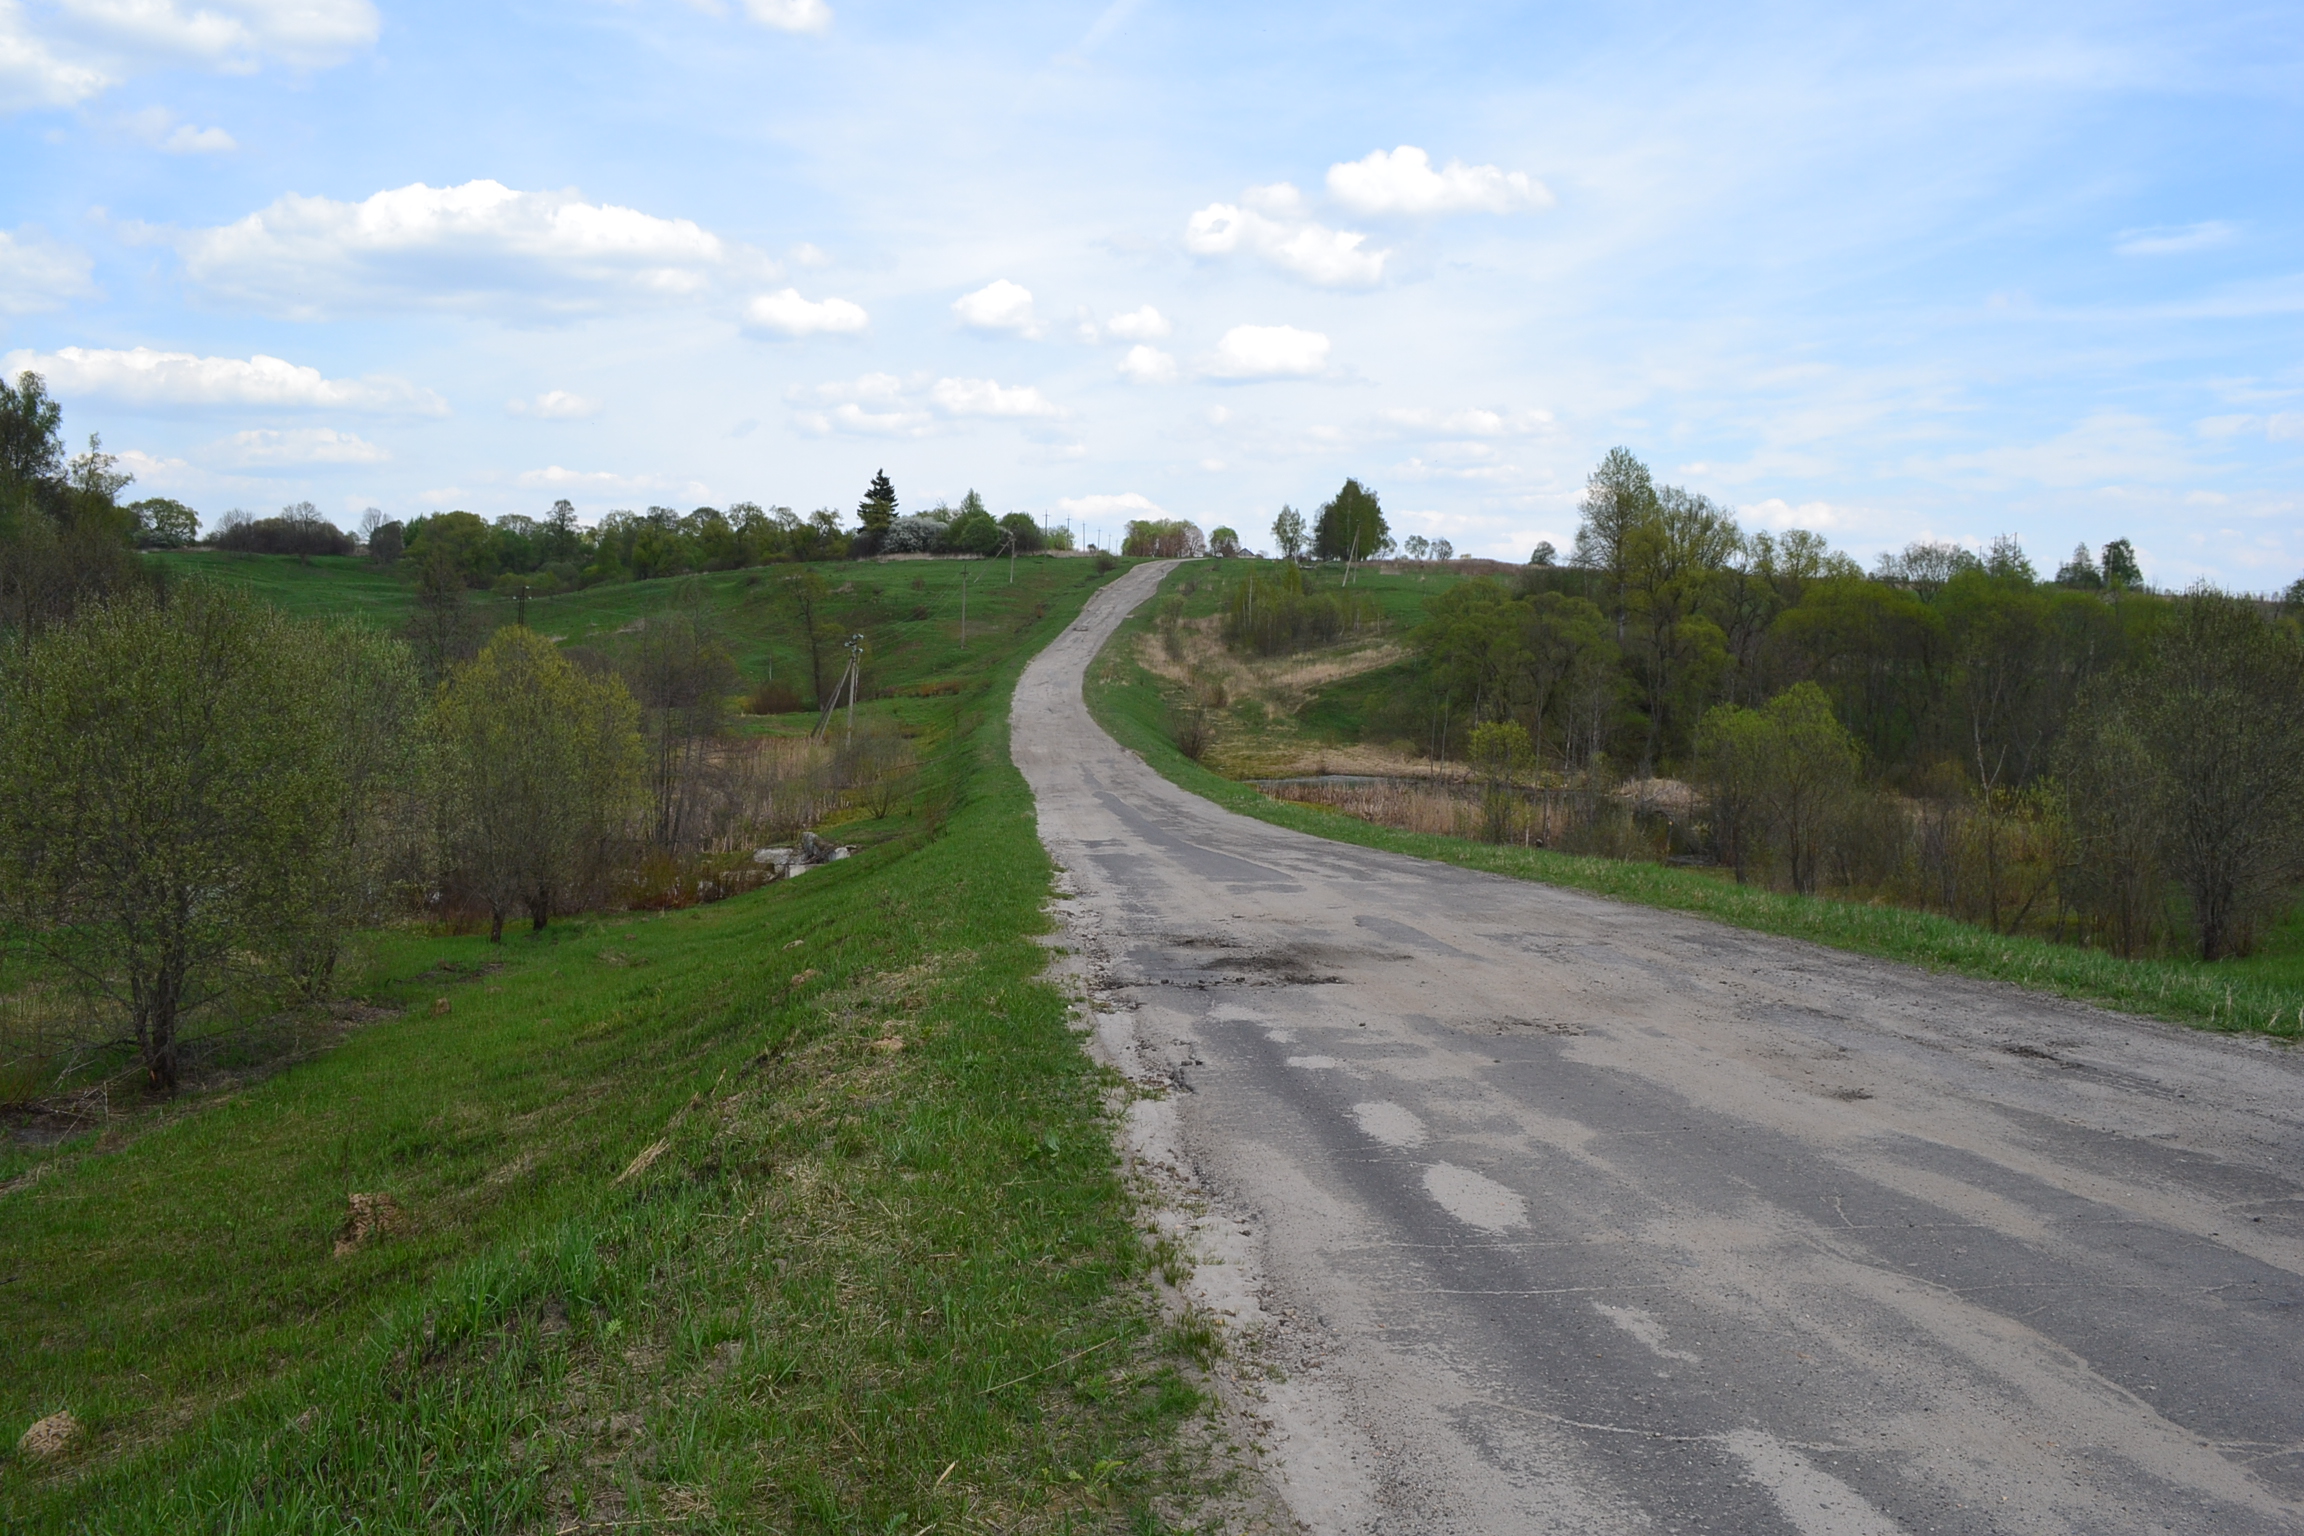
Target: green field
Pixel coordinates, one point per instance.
(796, 1212)
(2264, 992)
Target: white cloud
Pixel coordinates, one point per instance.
(998, 306)
(788, 314)
(1128, 505)
(808, 255)
(1473, 421)
(883, 405)
(1269, 352)
(790, 15)
(988, 397)
(302, 445)
(479, 245)
(1780, 514)
(854, 420)
(156, 474)
(75, 49)
(1148, 365)
(555, 478)
(2175, 239)
(141, 376)
(1403, 182)
(188, 140)
(1332, 258)
(38, 274)
(2287, 427)
(554, 405)
(1144, 324)
(157, 126)
(32, 75)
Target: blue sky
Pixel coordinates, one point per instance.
(1888, 271)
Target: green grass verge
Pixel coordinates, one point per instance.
(686, 1245)
(2264, 994)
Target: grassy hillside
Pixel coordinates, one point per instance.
(909, 611)
(2263, 993)
(794, 1212)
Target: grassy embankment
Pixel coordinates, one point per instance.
(909, 612)
(2264, 992)
(794, 1212)
(1301, 713)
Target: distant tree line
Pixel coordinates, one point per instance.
(2079, 754)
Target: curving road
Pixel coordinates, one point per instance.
(1559, 1215)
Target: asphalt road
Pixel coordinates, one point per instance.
(1551, 1214)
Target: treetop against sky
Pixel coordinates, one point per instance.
(1910, 271)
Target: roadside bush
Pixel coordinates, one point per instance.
(774, 697)
(1188, 727)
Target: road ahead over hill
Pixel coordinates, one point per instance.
(1568, 1216)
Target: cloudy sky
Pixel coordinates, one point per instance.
(1885, 271)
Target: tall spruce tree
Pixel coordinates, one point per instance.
(878, 508)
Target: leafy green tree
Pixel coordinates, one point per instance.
(1618, 497)
(1224, 542)
(1502, 759)
(163, 523)
(2109, 780)
(1544, 554)
(1288, 532)
(973, 531)
(878, 508)
(1671, 562)
(1567, 667)
(442, 629)
(31, 430)
(1816, 767)
(1777, 774)
(541, 775)
(1880, 650)
(2080, 571)
(682, 676)
(1472, 637)
(2121, 572)
(1024, 529)
(1736, 759)
(808, 611)
(463, 539)
(180, 818)
(1350, 526)
(64, 538)
(369, 829)
(2219, 704)
(1163, 539)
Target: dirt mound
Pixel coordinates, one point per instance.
(369, 1217)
